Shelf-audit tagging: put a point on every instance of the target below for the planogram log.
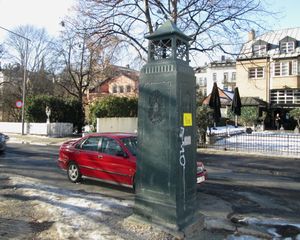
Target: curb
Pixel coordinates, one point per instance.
(34, 143)
(36, 140)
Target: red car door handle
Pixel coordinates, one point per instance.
(100, 156)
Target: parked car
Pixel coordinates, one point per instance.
(3, 139)
(109, 157)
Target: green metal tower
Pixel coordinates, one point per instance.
(166, 189)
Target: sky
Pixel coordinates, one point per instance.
(40, 13)
(49, 13)
(290, 13)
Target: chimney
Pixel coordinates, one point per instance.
(222, 58)
(127, 66)
(251, 35)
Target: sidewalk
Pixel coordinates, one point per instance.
(37, 139)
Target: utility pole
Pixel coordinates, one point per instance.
(24, 74)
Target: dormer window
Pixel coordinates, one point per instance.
(287, 45)
(259, 50)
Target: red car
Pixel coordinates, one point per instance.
(109, 157)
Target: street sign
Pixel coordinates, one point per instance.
(19, 104)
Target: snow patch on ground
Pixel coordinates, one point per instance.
(78, 215)
(75, 215)
(232, 237)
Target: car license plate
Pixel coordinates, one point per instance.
(200, 179)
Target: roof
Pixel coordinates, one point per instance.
(119, 71)
(168, 28)
(252, 101)
(225, 97)
(226, 64)
(273, 38)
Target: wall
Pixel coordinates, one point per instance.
(106, 88)
(285, 82)
(117, 125)
(52, 129)
(219, 68)
(252, 87)
(122, 81)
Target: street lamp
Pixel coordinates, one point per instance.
(24, 74)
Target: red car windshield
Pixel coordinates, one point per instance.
(131, 144)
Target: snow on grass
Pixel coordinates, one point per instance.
(76, 215)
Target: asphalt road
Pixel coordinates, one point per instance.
(246, 194)
(258, 192)
(39, 162)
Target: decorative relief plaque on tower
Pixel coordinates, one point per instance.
(155, 107)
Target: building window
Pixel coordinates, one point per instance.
(114, 90)
(285, 96)
(233, 76)
(259, 50)
(128, 88)
(225, 76)
(121, 89)
(285, 68)
(214, 77)
(287, 47)
(202, 81)
(257, 72)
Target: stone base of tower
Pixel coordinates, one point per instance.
(191, 232)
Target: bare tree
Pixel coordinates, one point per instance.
(11, 91)
(82, 59)
(39, 79)
(213, 24)
(38, 48)
(1, 52)
(39, 56)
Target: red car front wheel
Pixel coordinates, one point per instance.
(74, 174)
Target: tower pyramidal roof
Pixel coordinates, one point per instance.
(167, 29)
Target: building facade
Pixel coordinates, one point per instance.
(222, 72)
(268, 67)
(124, 83)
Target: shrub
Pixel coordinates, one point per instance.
(62, 110)
(249, 116)
(203, 121)
(113, 107)
(295, 113)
